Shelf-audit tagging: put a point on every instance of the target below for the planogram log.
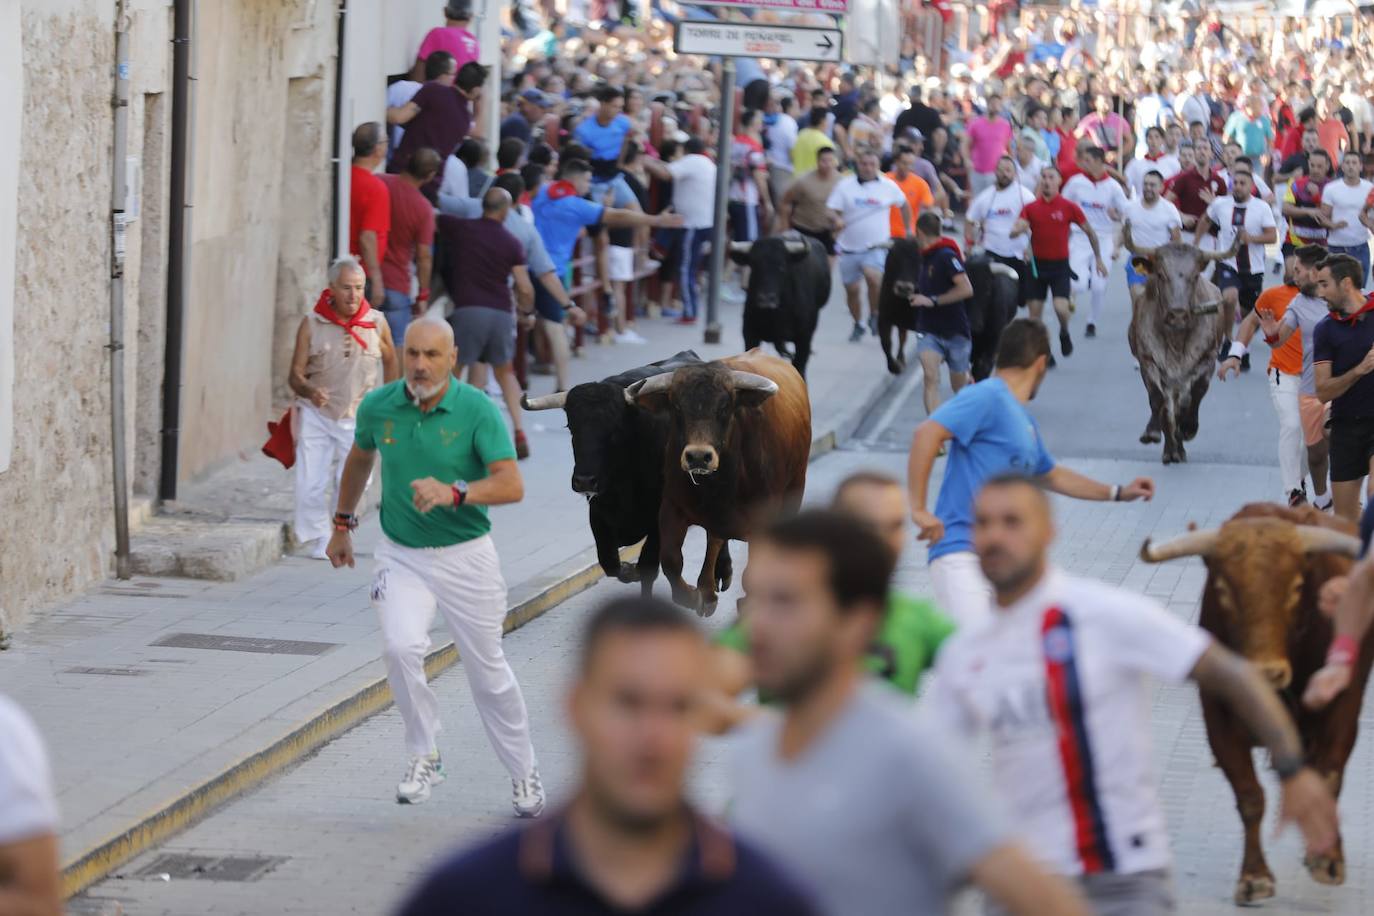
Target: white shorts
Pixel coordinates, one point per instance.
(961, 591)
(853, 264)
(1083, 265)
(621, 263)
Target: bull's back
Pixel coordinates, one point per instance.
(784, 432)
(810, 282)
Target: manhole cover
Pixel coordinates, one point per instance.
(184, 866)
(108, 672)
(243, 644)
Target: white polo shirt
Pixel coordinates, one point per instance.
(1258, 216)
(28, 807)
(866, 209)
(1060, 682)
(1150, 226)
(694, 190)
(998, 209)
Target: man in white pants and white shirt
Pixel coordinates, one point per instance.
(1103, 201)
(989, 432)
(446, 456)
(343, 351)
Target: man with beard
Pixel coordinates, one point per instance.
(1153, 221)
(842, 786)
(1289, 315)
(988, 431)
(991, 217)
(629, 840)
(446, 457)
(1064, 656)
(1342, 363)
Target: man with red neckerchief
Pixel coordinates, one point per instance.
(343, 351)
(942, 289)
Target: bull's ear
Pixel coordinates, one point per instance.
(1142, 266)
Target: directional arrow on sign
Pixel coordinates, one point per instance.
(825, 43)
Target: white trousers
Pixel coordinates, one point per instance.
(322, 444)
(464, 582)
(1283, 389)
(961, 591)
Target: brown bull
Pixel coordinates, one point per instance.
(1265, 568)
(738, 443)
(1177, 326)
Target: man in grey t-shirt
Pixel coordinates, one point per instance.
(842, 786)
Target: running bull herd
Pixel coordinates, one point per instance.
(686, 442)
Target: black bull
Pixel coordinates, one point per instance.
(618, 466)
(993, 305)
(789, 283)
(1177, 326)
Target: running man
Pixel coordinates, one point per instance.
(942, 292)
(1103, 200)
(989, 432)
(1061, 681)
(1048, 219)
(1152, 221)
(991, 217)
(1342, 363)
(861, 205)
(1243, 218)
(446, 457)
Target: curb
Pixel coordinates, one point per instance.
(542, 594)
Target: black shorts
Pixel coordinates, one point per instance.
(1352, 445)
(824, 236)
(1248, 286)
(669, 244)
(1048, 277)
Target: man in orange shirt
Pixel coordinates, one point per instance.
(914, 187)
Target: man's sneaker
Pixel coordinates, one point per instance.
(873, 325)
(1051, 364)
(670, 313)
(1065, 342)
(731, 295)
(522, 445)
(528, 795)
(629, 336)
(857, 334)
(1091, 332)
(1322, 506)
(423, 774)
(687, 319)
(1297, 498)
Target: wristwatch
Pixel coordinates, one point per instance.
(460, 492)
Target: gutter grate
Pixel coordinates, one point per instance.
(243, 644)
(184, 866)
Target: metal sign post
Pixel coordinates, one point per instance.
(723, 144)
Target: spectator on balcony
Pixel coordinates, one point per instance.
(452, 38)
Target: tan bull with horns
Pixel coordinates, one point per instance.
(1266, 566)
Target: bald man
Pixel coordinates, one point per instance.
(446, 457)
(480, 259)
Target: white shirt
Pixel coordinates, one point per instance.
(1258, 217)
(1029, 175)
(1151, 226)
(1098, 200)
(28, 807)
(782, 136)
(865, 209)
(998, 209)
(694, 190)
(1072, 659)
(455, 180)
(1347, 203)
(1136, 170)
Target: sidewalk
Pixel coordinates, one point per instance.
(161, 698)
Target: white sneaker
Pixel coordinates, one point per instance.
(422, 774)
(629, 336)
(528, 795)
(319, 552)
(731, 295)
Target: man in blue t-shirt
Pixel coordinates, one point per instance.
(989, 432)
(606, 133)
(942, 290)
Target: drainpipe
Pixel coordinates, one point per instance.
(118, 192)
(179, 233)
(336, 161)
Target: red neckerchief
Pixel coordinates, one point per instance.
(943, 242)
(561, 189)
(1154, 158)
(1350, 319)
(324, 307)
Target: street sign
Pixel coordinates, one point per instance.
(735, 39)
(838, 7)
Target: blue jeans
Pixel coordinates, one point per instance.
(1359, 253)
(396, 308)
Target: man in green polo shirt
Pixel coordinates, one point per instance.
(905, 647)
(446, 457)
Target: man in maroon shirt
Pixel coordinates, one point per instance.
(439, 115)
(410, 241)
(1049, 219)
(1195, 186)
(369, 206)
(480, 259)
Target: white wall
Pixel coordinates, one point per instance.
(11, 122)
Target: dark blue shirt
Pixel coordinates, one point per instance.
(1343, 344)
(531, 870)
(939, 266)
(516, 126)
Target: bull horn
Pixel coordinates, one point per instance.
(547, 402)
(795, 246)
(1316, 539)
(752, 381)
(881, 246)
(1129, 244)
(1003, 270)
(1192, 544)
(651, 385)
(741, 247)
(1223, 255)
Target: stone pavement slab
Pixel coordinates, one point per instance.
(133, 725)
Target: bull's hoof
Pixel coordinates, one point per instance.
(1251, 889)
(893, 366)
(707, 602)
(628, 573)
(1151, 436)
(723, 580)
(689, 598)
(1326, 869)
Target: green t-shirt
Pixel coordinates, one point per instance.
(912, 631)
(457, 440)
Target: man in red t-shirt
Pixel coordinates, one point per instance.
(410, 241)
(1048, 219)
(1194, 187)
(369, 205)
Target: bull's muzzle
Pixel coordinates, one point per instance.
(584, 484)
(700, 461)
(1278, 673)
